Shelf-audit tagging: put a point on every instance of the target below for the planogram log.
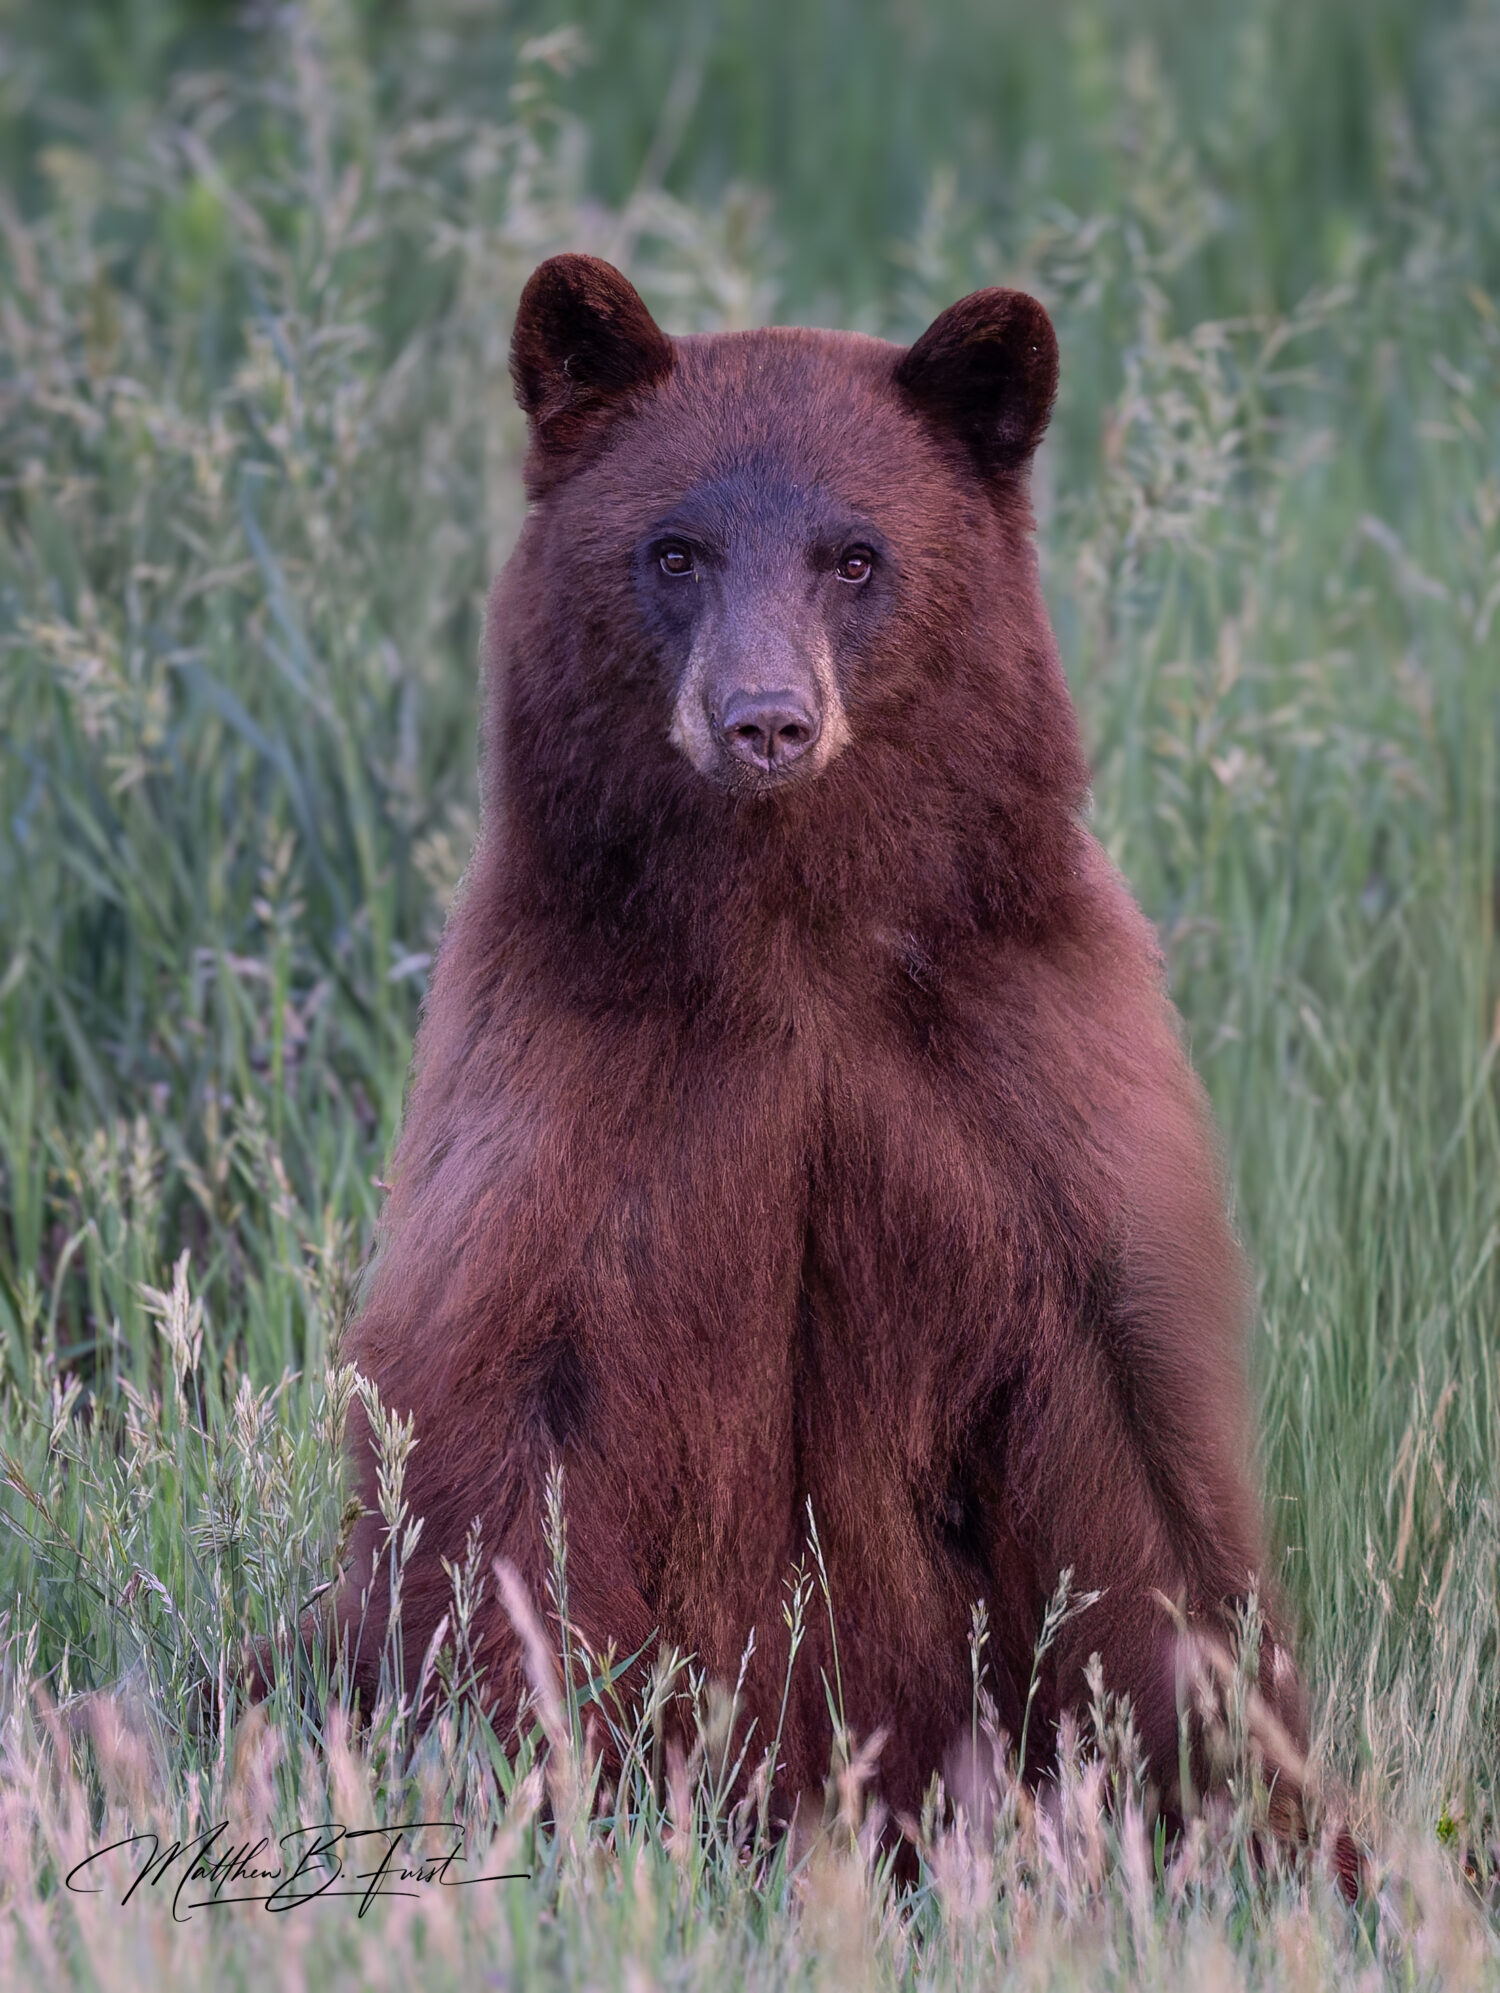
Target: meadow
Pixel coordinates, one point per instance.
(258, 459)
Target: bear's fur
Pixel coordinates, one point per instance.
(798, 1109)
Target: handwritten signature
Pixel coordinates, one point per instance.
(307, 1865)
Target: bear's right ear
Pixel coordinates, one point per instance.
(583, 342)
(986, 371)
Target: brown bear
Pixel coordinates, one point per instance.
(798, 1113)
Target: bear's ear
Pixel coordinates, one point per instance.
(986, 371)
(583, 342)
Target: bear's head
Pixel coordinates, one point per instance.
(777, 595)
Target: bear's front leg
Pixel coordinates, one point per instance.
(598, 1560)
(1130, 1454)
(611, 1287)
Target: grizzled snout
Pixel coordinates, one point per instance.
(767, 731)
(758, 704)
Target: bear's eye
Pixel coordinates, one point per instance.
(675, 558)
(856, 565)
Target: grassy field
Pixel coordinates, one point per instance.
(258, 457)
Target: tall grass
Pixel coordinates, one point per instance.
(258, 457)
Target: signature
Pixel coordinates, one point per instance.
(307, 1865)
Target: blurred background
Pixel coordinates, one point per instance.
(258, 458)
(843, 123)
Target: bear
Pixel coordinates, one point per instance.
(799, 1125)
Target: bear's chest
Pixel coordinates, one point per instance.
(945, 1230)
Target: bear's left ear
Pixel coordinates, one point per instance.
(583, 342)
(986, 371)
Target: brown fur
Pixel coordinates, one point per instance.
(833, 1143)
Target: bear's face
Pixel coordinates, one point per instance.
(765, 594)
(799, 519)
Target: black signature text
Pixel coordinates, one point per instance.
(306, 1865)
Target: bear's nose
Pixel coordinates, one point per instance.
(767, 730)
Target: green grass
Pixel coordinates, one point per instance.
(258, 457)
